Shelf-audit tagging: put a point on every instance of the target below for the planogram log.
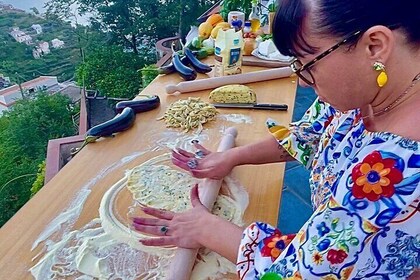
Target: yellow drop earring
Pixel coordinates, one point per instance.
(382, 78)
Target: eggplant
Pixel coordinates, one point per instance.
(148, 103)
(184, 71)
(119, 123)
(196, 63)
(168, 69)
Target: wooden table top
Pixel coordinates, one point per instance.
(98, 166)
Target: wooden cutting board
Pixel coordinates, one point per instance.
(250, 60)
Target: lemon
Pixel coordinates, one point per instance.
(204, 30)
(220, 25)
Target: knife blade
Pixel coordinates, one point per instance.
(259, 106)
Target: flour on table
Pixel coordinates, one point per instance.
(236, 118)
(174, 140)
(65, 221)
(107, 248)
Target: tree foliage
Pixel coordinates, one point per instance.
(34, 10)
(148, 74)
(24, 134)
(34, 122)
(130, 20)
(112, 71)
(236, 5)
(40, 178)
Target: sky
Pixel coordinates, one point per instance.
(27, 4)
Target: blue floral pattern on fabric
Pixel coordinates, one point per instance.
(322, 229)
(365, 191)
(403, 254)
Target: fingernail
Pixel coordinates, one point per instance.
(142, 206)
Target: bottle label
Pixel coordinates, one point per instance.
(235, 55)
(228, 53)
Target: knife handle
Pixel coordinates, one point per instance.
(277, 107)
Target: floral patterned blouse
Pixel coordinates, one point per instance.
(365, 193)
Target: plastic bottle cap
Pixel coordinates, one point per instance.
(271, 276)
(248, 23)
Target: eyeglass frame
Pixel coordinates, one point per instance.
(304, 67)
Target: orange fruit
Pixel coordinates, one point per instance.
(214, 19)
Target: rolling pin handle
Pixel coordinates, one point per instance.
(171, 89)
(228, 137)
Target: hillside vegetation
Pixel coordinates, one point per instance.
(118, 48)
(16, 59)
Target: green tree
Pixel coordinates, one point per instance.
(34, 122)
(40, 178)
(112, 71)
(148, 74)
(131, 20)
(24, 134)
(34, 10)
(236, 5)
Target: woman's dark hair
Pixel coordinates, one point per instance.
(341, 18)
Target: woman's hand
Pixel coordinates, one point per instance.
(204, 163)
(192, 229)
(178, 229)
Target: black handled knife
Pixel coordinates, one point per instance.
(259, 106)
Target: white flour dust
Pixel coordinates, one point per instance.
(236, 118)
(106, 248)
(64, 221)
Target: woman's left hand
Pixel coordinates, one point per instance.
(177, 229)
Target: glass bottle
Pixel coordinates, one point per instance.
(254, 18)
(247, 27)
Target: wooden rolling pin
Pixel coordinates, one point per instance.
(184, 259)
(215, 82)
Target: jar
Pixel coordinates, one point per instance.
(236, 18)
(247, 27)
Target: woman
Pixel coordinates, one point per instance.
(360, 139)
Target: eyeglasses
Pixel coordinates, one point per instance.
(302, 70)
